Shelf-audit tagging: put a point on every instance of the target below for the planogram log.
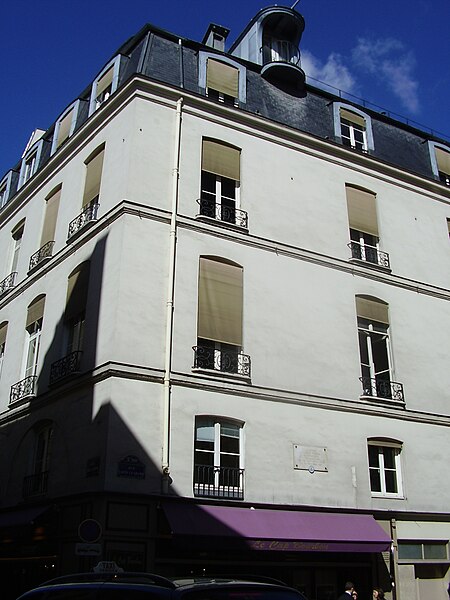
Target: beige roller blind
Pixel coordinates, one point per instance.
(222, 78)
(77, 290)
(353, 117)
(221, 159)
(372, 310)
(220, 302)
(64, 128)
(104, 82)
(3, 332)
(443, 160)
(362, 210)
(93, 177)
(35, 310)
(51, 214)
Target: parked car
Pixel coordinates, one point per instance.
(146, 586)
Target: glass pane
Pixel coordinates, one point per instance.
(228, 188)
(389, 458)
(204, 458)
(375, 481)
(380, 353)
(205, 431)
(229, 460)
(409, 550)
(208, 182)
(391, 482)
(374, 460)
(438, 550)
(363, 352)
(228, 444)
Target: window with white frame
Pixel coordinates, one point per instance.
(75, 312)
(220, 183)
(65, 126)
(385, 468)
(17, 235)
(218, 458)
(3, 332)
(352, 127)
(440, 161)
(105, 85)
(5, 186)
(222, 78)
(35, 316)
(30, 163)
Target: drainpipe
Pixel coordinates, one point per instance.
(170, 302)
(396, 579)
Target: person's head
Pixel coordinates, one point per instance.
(378, 594)
(349, 586)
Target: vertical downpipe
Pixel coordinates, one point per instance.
(170, 302)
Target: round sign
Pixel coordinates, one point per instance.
(89, 531)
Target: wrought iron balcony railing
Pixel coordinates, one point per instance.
(382, 388)
(35, 485)
(221, 212)
(7, 283)
(23, 389)
(68, 365)
(225, 361)
(218, 482)
(282, 51)
(369, 254)
(88, 215)
(42, 254)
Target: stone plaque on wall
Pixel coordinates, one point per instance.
(310, 458)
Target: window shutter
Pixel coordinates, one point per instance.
(362, 210)
(220, 302)
(51, 214)
(93, 177)
(77, 290)
(222, 78)
(3, 332)
(353, 117)
(104, 82)
(443, 160)
(64, 128)
(372, 310)
(221, 159)
(35, 311)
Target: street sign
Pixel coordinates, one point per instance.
(89, 531)
(88, 549)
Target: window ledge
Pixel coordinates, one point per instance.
(383, 401)
(220, 223)
(371, 265)
(222, 374)
(387, 496)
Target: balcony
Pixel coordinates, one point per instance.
(383, 389)
(41, 255)
(7, 283)
(369, 254)
(223, 361)
(35, 485)
(66, 366)
(26, 388)
(281, 62)
(218, 482)
(223, 213)
(85, 218)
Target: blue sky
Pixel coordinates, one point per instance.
(393, 53)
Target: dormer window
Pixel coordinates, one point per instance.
(65, 126)
(222, 79)
(353, 128)
(5, 188)
(30, 163)
(104, 85)
(440, 161)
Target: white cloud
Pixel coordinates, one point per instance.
(392, 64)
(333, 72)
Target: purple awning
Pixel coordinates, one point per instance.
(288, 530)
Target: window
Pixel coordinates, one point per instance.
(30, 163)
(94, 168)
(385, 468)
(219, 324)
(222, 78)
(35, 316)
(65, 126)
(36, 483)
(440, 161)
(48, 230)
(5, 187)
(431, 551)
(363, 224)
(17, 235)
(220, 182)
(374, 349)
(3, 332)
(352, 127)
(218, 458)
(104, 85)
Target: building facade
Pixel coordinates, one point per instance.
(224, 306)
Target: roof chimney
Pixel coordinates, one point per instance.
(215, 37)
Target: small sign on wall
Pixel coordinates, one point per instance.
(131, 467)
(310, 458)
